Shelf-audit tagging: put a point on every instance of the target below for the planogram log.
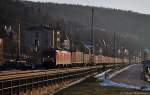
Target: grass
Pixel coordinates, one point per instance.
(91, 87)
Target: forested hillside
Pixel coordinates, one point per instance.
(132, 29)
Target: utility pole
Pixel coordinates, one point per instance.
(18, 47)
(19, 40)
(70, 41)
(92, 31)
(53, 41)
(114, 46)
(92, 38)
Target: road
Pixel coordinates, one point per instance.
(131, 76)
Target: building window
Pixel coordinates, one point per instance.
(37, 43)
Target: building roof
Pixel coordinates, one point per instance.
(41, 27)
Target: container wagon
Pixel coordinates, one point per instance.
(96, 60)
(86, 59)
(77, 58)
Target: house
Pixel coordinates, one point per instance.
(40, 38)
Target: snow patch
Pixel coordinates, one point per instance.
(109, 83)
(105, 82)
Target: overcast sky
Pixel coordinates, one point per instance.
(141, 6)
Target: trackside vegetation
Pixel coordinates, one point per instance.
(91, 87)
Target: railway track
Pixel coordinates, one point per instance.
(40, 81)
(31, 73)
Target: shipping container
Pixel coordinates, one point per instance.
(100, 60)
(86, 59)
(111, 60)
(117, 61)
(103, 59)
(106, 59)
(77, 57)
(96, 61)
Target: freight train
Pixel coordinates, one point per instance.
(62, 58)
(59, 58)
